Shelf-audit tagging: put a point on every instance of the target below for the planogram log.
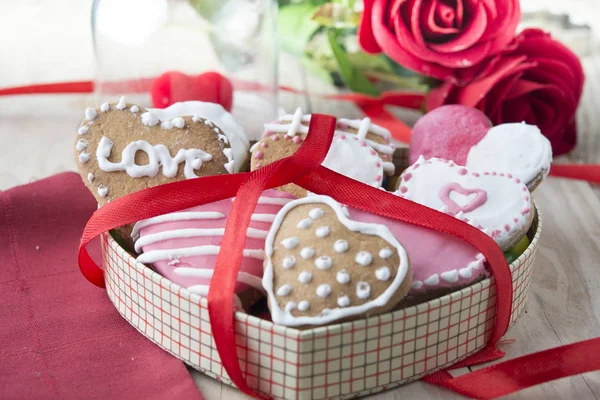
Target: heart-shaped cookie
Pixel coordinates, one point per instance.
(466, 136)
(122, 148)
(438, 261)
(498, 203)
(183, 246)
(355, 152)
(322, 266)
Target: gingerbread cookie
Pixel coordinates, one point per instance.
(359, 149)
(183, 246)
(220, 117)
(498, 203)
(465, 135)
(323, 267)
(122, 148)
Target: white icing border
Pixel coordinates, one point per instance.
(282, 317)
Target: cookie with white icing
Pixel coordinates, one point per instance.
(466, 136)
(323, 267)
(498, 203)
(360, 149)
(122, 148)
(183, 246)
(518, 148)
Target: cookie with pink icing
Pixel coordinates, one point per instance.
(360, 149)
(439, 262)
(498, 203)
(465, 135)
(323, 267)
(183, 246)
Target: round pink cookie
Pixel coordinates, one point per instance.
(183, 246)
(438, 260)
(448, 132)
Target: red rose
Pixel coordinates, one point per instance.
(436, 37)
(536, 79)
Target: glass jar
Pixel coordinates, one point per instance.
(178, 45)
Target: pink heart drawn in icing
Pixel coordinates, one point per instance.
(453, 208)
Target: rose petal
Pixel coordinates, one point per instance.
(390, 46)
(468, 36)
(439, 96)
(366, 39)
(565, 141)
(472, 93)
(432, 30)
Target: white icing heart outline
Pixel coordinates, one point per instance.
(283, 317)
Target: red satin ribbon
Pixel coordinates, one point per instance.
(184, 194)
(304, 168)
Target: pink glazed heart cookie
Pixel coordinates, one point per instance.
(183, 246)
(438, 261)
(323, 267)
(498, 203)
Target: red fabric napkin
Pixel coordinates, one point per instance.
(60, 337)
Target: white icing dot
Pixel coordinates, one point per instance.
(121, 104)
(81, 144)
(340, 246)
(104, 107)
(149, 119)
(223, 139)
(102, 191)
(84, 157)
(290, 243)
(90, 177)
(343, 301)
(166, 125)
(288, 262)
(303, 305)
(207, 122)
(290, 306)
(196, 118)
(284, 290)
(450, 276)
(323, 290)
(178, 122)
(383, 273)
(433, 280)
(304, 224)
(385, 253)
(322, 231)
(82, 130)
(305, 277)
(465, 272)
(363, 290)
(316, 213)
(364, 258)
(417, 285)
(307, 252)
(90, 114)
(323, 262)
(343, 277)
(134, 109)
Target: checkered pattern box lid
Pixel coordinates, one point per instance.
(342, 360)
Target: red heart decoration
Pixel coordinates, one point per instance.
(172, 87)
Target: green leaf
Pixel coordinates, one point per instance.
(352, 76)
(296, 27)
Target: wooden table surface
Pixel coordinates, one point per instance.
(36, 135)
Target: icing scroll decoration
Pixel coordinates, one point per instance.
(158, 156)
